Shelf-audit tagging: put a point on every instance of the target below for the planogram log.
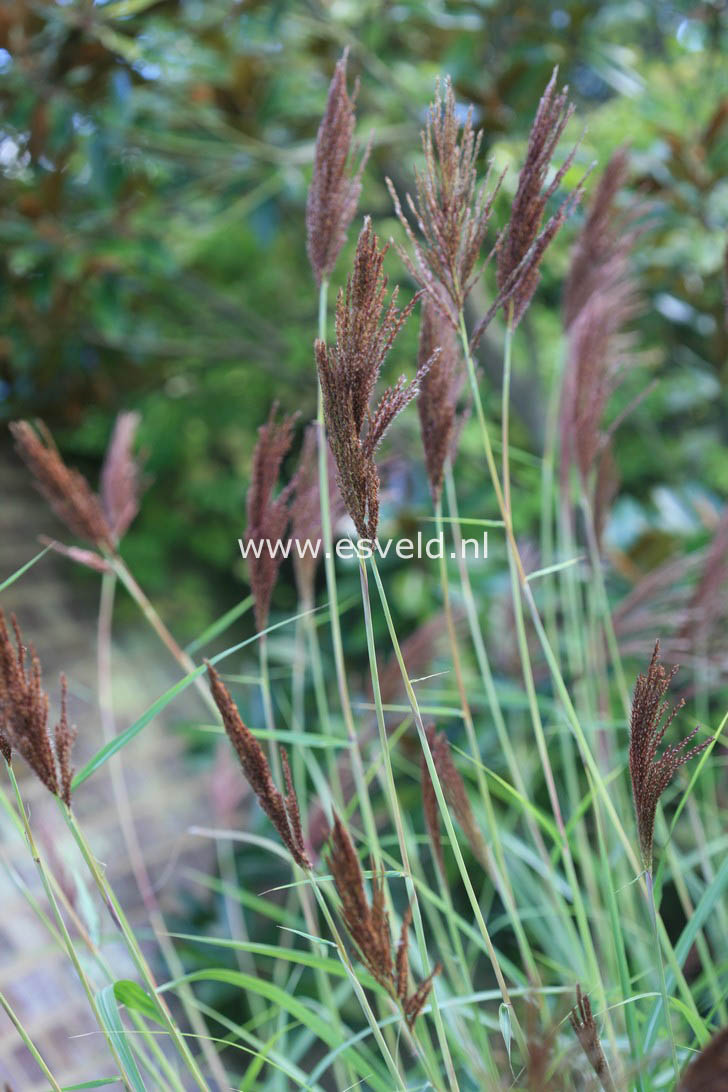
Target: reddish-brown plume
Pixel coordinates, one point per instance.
(585, 1029)
(651, 775)
(348, 372)
(709, 1071)
(451, 212)
(456, 797)
(267, 517)
(600, 301)
(121, 476)
(606, 237)
(67, 491)
(335, 187)
(526, 238)
(439, 390)
(283, 812)
(24, 716)
(305, 510)
(368, 926)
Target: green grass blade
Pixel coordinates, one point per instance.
(109, 1014)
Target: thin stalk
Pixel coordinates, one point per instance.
(129, 833)
(109, 897)
(29, 1044)
(528, 670)
(365, 805)
(444, 810)
(486, 674)
(496, 867)
(61, 898)
(183, 659)
(661, 967)
(68, 943)
(396, 815)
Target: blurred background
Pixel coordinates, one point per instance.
(154, 164)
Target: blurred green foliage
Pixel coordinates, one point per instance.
(154, 161)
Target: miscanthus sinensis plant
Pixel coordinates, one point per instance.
(494, 866)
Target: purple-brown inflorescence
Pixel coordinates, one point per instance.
(604, 241)
(348, 372)
(600, 301)
(526, 237)
(336, 185)
(267, 517)
(456, 797)
(450, 210)
(651, 775)
(121, 476)
(67, 491)
(283, 812)
(585, 1029)
(368, 926)
(24, 716)
(439, 390)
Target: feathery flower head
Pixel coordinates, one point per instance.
(651, 775)
(451, 212)
(456, 797)
(283, 812)
(604, 242)
(348, 373)
(335, 187)
(439, 390)
(368, 926)
(24, 716)
(521, 251)
(121, 476)
(267, 518)
(585, 1029)
(67, 491)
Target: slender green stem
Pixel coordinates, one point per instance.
(661, 968)
(444, 810)
(128, 827)
(109, 897)
(497, 868)
(29, 1044)
(394, 808)
(68, 943)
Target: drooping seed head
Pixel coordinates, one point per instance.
(67, 491)
(283, 812)
(336, 184)
(368, 926)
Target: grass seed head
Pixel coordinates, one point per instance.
(451, 212)
(651, 775)
(283, 812)
(24, 715)
(348, 372)
(335, 187)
